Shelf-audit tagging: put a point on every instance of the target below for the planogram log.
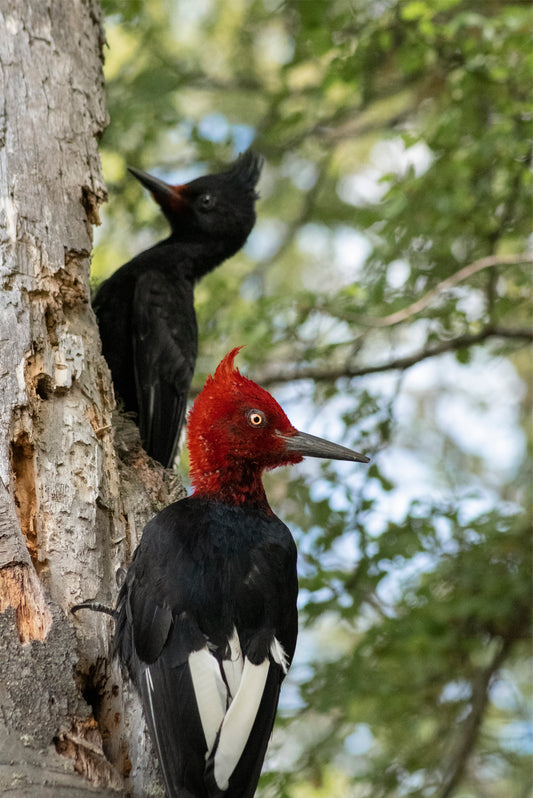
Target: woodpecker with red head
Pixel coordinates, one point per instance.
(206, 620)
(145, 309)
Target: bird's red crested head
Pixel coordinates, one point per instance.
(236, 430)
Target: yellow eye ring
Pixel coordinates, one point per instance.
(256, 418)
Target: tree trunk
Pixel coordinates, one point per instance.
(75, 487)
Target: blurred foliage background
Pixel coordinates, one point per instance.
(384, 297)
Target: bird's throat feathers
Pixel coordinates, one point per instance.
(232, 486)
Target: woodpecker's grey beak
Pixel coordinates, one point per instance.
(311, 446)
(159, 188)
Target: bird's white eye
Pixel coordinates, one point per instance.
(206, 201)
(256, 418)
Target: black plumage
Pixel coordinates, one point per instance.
(145, 310)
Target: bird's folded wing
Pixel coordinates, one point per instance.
(164, 352)
(238, 721)
(227, 720)
(194, 719)
(234, 765)
(210, 693)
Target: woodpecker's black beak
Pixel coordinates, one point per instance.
(163, 192)
(311, 446)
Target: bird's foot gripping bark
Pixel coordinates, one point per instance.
(95, 606)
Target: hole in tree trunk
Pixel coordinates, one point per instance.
(44, 386)
(25, 493)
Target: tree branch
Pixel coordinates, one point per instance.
(463, 274)
(471, 726)
(325, 374)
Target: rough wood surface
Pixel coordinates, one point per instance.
(75, 488)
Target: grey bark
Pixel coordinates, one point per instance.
(75, 487)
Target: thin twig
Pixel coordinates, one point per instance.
(463, 274)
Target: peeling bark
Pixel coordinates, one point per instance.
(75, 486)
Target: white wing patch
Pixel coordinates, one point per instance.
(228, 702)
(239, 720)
(210, 692)
(279, 655)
